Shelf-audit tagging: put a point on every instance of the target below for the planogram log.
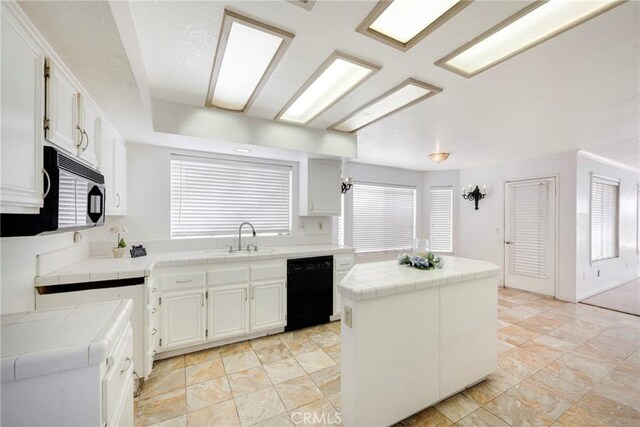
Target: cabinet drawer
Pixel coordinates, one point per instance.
(183, 281)
(343, 263)
(118, 375)
(268, 272)
(227, 276)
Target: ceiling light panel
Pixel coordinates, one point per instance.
(404, 95)
(403, 23)
(247, 54)
(529, 27)
(335, 78)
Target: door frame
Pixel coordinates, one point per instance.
(556, 276)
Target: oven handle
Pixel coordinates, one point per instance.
(46, 174)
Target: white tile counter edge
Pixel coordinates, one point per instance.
(385, 278)
(112, 318)
(100, 268)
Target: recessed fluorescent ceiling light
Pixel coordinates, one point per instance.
(403, 23)
(247, 53)
(335, 78)
(404, 95)
(534, 24)
(242, 150)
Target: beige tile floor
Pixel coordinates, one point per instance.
(559, 364)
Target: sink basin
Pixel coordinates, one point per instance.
(225, 251)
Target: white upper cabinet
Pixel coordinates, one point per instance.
(62, 127)
(22, 106)
(90, 125)
(120, 176)
(320, 182)
(105, 165)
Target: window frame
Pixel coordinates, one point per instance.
(231, 159)
(353, 218)
(617, 182)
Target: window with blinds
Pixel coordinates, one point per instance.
(604, 218)
(341, 222)
(384, 217)
(528, 228)
(441, 219)
(212, 197)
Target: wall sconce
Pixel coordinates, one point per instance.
(347, 183)
(475, 195)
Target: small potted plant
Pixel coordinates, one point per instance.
(121, 245)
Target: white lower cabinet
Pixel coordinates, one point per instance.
(268, 308)
(183, 318)
(228, 311)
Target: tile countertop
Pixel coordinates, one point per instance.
(43, 342)
(95, 269)
(380, 279)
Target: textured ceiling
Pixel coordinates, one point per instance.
(578, 90)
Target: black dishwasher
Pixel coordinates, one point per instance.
(309, 291)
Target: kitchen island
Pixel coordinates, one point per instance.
(411, 338)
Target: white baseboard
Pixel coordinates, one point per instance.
(606, 287)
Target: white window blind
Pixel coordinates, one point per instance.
(384, 217)
(528, 231)
(212, 197)
(440, 219)
(341, 222)
(604, 218)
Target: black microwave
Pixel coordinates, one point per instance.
(74, 199)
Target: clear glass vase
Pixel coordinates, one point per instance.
(420, 246)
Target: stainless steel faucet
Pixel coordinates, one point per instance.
(240, 233)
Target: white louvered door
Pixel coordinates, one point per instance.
(530, 230)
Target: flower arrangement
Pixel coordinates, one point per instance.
(120, 243)
(421, 261)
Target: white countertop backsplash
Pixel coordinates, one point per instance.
(42, 342)
(98, 268)
(384, 278)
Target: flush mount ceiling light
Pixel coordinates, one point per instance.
(336, 77)
(536, 23)
(247, 54)
(406, 94)
(403, 23)
(439, 157)
(307, 4)
(242, 150)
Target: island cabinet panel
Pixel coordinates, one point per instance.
(404, 350)
(468, 340)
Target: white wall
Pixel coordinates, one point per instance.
(593, 279)
(18, 267)
(481, 232)
(149, 213)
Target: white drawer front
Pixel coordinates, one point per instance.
(183, 281)
(118, 376)
(343, 262)
(268, 272)
(227, 276)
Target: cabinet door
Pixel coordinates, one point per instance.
(324, 188)
(228, 311)
(105, 165)
(337, 298)
(90, 125)
(22, 106)
(62, 110)
(267, 305)
(183, 319)
(120, 176)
